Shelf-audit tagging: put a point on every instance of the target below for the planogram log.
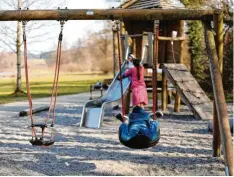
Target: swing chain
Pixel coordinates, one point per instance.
(24, 23)
(62, 22)
(24, 29)
(116, 25)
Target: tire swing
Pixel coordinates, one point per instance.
(140, 141)
(40, 141)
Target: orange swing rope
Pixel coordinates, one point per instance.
(120, 71)
(27, 78)
(54, 89)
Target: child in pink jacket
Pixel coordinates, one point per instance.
(139, 92)
(139, 121)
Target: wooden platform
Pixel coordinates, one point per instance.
(190, 91)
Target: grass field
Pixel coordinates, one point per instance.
(41, 85)
(69, 83)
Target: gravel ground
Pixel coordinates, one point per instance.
(185, 147)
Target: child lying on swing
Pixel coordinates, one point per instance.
(139, 120)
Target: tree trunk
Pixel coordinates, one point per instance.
(18, 51)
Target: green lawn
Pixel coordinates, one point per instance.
(41, 86)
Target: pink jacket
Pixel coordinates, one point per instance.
(132, 72)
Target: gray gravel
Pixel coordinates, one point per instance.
(185, 147)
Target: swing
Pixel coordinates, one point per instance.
(41, 141)
(140, 141)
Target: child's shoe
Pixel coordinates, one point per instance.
(119, 116)
(159, 114)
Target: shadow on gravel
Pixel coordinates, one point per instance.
(56, 165)
(198, 131)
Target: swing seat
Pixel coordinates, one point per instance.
(40, 142)
(42, 126)
(140, 141)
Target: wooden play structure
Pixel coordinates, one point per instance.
(154, 18)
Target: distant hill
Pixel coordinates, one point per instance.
(33, 56)
(30, 55)
(47, 55)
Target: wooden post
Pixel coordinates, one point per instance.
(164, 91)
(126, 45)
(130, 42)
(150, 51)
(155, 67)
(163, 54)
(138, 45)
(164, 79)
(144, 54)
(219, 98)
(216, 133)
(122, 47)
(114, 50)
(218, 26)
(177, 102)
(181, 33)
(134, 46)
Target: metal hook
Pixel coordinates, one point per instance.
(66, 18)
(117, 23)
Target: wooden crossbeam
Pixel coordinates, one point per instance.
(106, 14)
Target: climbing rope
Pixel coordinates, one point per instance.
(120, 71)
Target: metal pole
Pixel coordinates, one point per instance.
(114, 33)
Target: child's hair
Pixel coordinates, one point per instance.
(131, 56)
(136, 63)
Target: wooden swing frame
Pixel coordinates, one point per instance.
(214, 47)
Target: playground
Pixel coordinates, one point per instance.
(184, 147)
(109, 128)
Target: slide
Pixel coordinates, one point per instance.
(93, 111)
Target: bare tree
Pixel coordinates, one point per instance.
(11, 32)
(100, 45)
